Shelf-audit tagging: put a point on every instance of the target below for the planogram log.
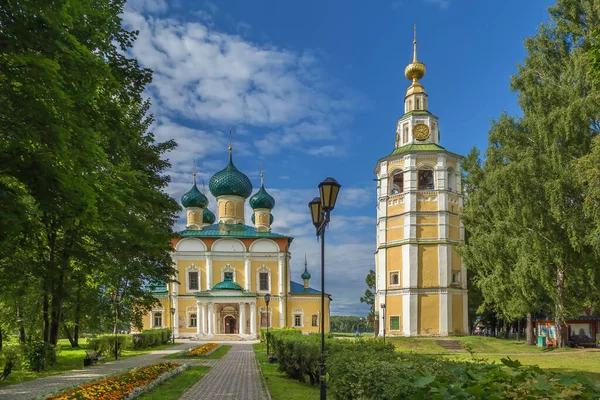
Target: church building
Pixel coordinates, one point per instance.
(226, 269)
(421, 286)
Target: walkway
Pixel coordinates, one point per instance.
(43, 386)
(233, 377)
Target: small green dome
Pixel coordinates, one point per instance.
(262, 199)
(208, 217)
(227, 284)
(305, 274)
(230, 181)
(194, 198)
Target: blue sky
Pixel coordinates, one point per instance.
(313, 89)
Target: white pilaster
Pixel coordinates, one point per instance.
(444, 264)
(414, 314)
(445, 313)
(253, 319)
(208, 271)
(247, 272)
(465, 314)
(242, 323)
(280, 274)
(281, 312)
(175, 316)
(210, 319)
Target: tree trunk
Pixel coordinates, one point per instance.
(68, 335)
(559, 316)
(56, 308)
(75, 342)
(530, 339)
(46, 306)
(22, 337)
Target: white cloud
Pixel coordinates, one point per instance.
(442, 4)
(149, 6)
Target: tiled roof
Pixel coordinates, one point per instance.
(409, 148)
(230, 230)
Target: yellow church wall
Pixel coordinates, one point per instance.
(454, 233)
(428, 266)
(456, 260)
(394, 165)
(309, 308)
(217, 265)
(273, 267)
(395, 222)
(457, 313)
(394, 234)
(393, 308)
(395, 209)
(429, 314)
(427, 232)
(394, 263)
(427, 219)
(427, 160)
(182, 278)
(182, 317)
(428, 205)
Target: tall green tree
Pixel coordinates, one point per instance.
(529, 165)
(75, 141)
(369, 296)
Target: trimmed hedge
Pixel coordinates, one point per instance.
(151, 338)
(104, 345)
(370, 369)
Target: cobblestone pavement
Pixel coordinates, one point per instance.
(233, 377)
(42, 386)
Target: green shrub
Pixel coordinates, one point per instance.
(39, 355)
(151, 338)
(104, 345)
(10, 358)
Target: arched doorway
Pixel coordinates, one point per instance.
(230, 324)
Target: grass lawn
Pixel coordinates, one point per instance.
(220, 352)
(68, 359)
(173, 388)
(280, 387)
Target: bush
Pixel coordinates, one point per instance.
(104, 345)
(10, 359)
(151, 338)
(39, 355)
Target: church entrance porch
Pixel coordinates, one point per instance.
(229, 318)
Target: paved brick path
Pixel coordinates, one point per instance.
(233, 377)
(42, 386)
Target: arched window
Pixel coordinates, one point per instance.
(229, 208)
(418, 104)
(426, 179)
(193, 320)
(405, 137)
(315, 320)
(451, 180)
(397, 183)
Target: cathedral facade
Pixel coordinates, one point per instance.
(226, 269)
(421, 282)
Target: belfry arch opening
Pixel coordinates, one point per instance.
(425, 179)
(397, 185)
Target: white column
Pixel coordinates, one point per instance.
(175, 316)
(242, 322)
(214, 319)
(200, 330)
(253, 319)
(208, 271)
(247, 272)
(281, 298)
(210, 319)
(280, 274)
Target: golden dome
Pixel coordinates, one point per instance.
(415, 71)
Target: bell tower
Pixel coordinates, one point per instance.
(420, 278)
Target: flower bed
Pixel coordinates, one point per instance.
(203, 350)
(124, 386)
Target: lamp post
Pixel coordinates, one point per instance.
(267, 301)
(320, 209)
(172, 330)
(116, 298)
(383, 312)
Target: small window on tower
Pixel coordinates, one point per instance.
(394, 279)
(418, 104)
(451, 183)
(456, 277)
(405, 136)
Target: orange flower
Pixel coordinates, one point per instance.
(201, 350)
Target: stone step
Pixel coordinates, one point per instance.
(227, 338)
(449, 344)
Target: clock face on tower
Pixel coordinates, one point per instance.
(420, 132)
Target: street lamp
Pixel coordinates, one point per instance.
(384, 322)
(116, 298)
(172, 318)
(267, 301)
(320, 209)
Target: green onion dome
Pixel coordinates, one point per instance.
(208, 217)
(262, 199)
(227, 284)
(230, 181)
(194, 198)
(305, 274)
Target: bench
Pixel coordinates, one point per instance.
(91, 358)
